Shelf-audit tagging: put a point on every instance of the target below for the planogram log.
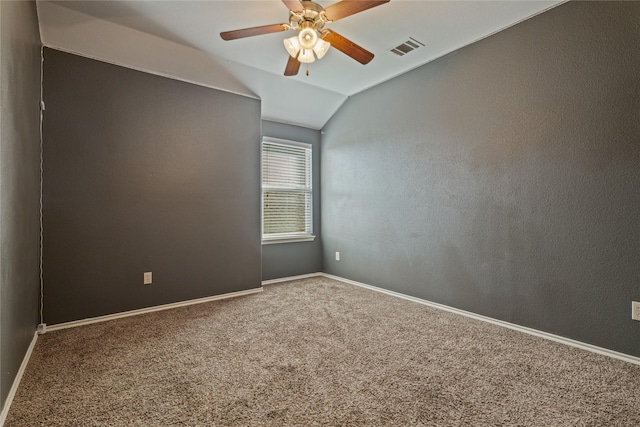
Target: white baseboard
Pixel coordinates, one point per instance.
(290, 278)
(16, 380)
(107, 317)
(567, 341)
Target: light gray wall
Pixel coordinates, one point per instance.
(503, 179)
(19, 185)
(144, 173)
(292, 259)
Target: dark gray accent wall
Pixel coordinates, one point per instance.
(502, 179)
(19, 186)
(144, 173)
(293, 259)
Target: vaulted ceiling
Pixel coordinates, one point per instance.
(180, 39)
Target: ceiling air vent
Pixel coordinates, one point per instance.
(406, 47)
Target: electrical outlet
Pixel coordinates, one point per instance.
(337, 256)
(635, 310)
(147, 278)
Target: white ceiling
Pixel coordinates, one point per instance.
(180, 39)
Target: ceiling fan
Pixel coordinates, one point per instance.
(309, 19)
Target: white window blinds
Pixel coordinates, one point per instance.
(286, 190)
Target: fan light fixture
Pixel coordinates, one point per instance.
(306, 56)
(321, 48)
(306, 43)
(292, 45)
(307, 35)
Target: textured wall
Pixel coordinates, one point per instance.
(143, 173)
(19, 185)
(292, 259)
(503, 179)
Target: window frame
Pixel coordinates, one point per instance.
(295, 236)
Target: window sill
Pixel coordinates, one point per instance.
(289, 239)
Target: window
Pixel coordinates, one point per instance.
(286, 191)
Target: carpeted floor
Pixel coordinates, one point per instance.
(317, 352)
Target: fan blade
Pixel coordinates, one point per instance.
(349, 7)
(293, 5)
(253, 31)
(293, 65)
(347, 47)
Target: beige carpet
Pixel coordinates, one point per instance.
(317, 352)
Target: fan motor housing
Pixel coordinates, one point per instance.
(313, 13)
